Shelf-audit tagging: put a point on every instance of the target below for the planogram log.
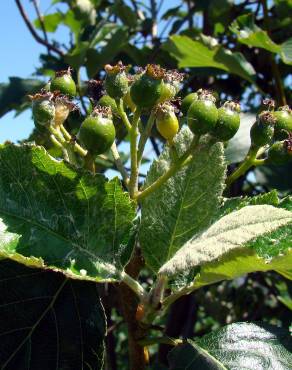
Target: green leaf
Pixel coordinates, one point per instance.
(237, 346)
(53, 216)
(14, 93)
(230, 233)
(250, 34)
(96, 59)
(50, 21)
(286, 51)
(48, 321)
(191, 53)
(125, 13)
(185, 205)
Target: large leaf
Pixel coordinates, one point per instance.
(184, 205)
(230, 233)
(250, 34)
(47, 321)
(13, 94)
(239, 346)
(192, 53)
(55, 217)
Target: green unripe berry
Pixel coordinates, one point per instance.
(168, 91)
(107, 101)
(202, 114)
(262, 131)
(283, 122)
(187, 102)
(64, 83)
(280, 153)
(116, 82)
(43, 111)
(97, 133)
(228, 121)
(167, 122)
(147, 89)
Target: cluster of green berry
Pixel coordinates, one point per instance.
(153, 91)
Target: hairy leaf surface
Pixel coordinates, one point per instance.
(53, 216)
(184, 205)
(231, 232)
(237, 346)
(48, 321)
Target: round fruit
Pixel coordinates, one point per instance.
(228, 121)
(187, 102)
(262, 131)
(97, 133)
(43, 111)
(64, 83)
(283, 123)
(107, 101)
(279, 153)
(147, 89)
(167, 122)
(116, 81)
(168, 91)
(202, 115)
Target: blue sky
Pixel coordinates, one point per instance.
(20, 56)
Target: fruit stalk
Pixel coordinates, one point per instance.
(133, 185)
(144, 135)
(250, 160)
(171, 171)
(119, 164)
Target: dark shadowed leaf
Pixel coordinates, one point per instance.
(47, 321)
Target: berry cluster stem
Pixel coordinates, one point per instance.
(145, 135)
(133, 185)
(119, 164)
(176, 166)
(249, 161)
(123, 114)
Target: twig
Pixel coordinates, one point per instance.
(33, 31)
(40, 18)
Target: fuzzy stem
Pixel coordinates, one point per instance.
(176, 166)
(144, 135)
(123, 114)
(77, 148)
(133, 185)
(248, 162)
(55, 141)
(119, 164)
(133, 285)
